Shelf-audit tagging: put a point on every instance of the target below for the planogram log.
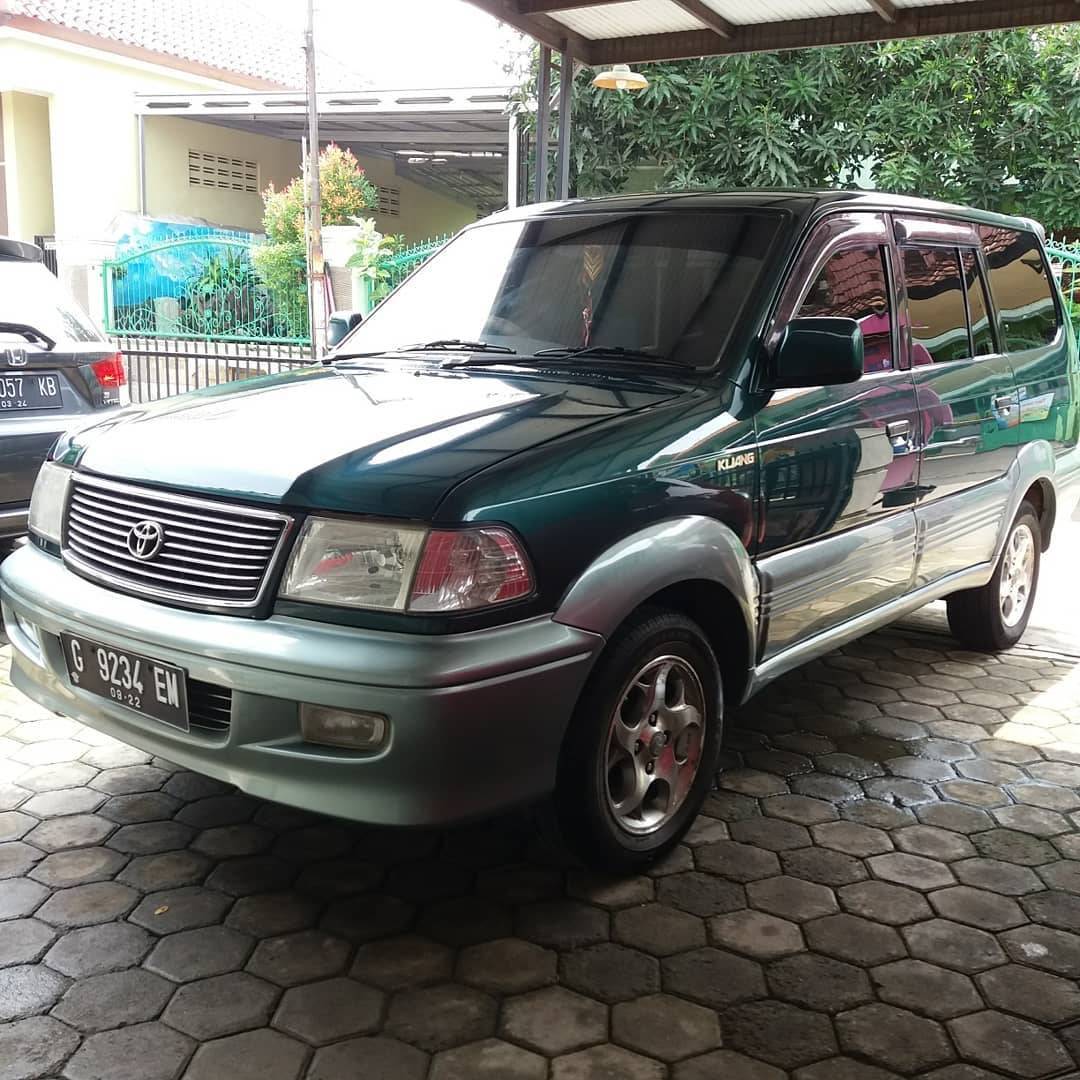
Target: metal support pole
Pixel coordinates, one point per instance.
(566, 93)
(142, 163)
(513, 161)
(316, 264)
(543, 125)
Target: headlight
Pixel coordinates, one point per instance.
(48, 501)
(405, 567)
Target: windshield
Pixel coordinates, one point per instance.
(671, 285)
(32, 296)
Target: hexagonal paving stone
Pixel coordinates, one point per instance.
(894, 1038)
(143, 1052)
(490, 1058)
(610, 892)
(1000, 847)
(180, 909)
(49, 804)
(197, 954)
(54, 777)
(323, 1012)
(218, 810)
(819, 982)
(14, 826)
(862, 841)
(757, 934)
(926, 988)
(168, 870)
(374, 1056)
(999, 877)
(799, 809)
(1063, 875)
(251, 1055)
(880, 901)
(1061, 910)
(915, 871)
(700, 894)
(977, 907)
(23, 941)
(736, 862)
(860, 941)
(256, 874)
(554, 1021)
(34, 1047)
(113, 1000)
(1032, 820)
(712, 977)
(509, 965)
(75, 831)
(607, 972)
(1037, 995)
(28, 988)
(440, 1017)
(607, 1062)
(933, 843)
(144, 806)
(954, 816)
(780, 1034)
(1043, 947)
(948, 943)
(299, 958)
(94, 950)
(563, 924)
(221, 1005)
(151, 837)
(791, 898)
(524, 883)
(658, 929)
(402, 963)
(19, 897)
(272, 914)
(664, 1027)
(86, 905)
(129, 780)
(725, 1064)
(79, 866)
(468, 920)
(1007, 1042)
(823, 866)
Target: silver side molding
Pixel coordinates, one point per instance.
(840, 635)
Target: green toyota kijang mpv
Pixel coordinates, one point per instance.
(595, 474)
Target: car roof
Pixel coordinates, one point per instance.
(798, 203)
(19, 249)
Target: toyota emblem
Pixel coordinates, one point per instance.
(144, 539)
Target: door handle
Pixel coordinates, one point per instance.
(898, 429)
(1004, 403)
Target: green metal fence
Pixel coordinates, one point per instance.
(204, 288)
(1065, 260)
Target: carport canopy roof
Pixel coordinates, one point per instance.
(603, 32)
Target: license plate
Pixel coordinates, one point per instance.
(29, 390)
(136, 682)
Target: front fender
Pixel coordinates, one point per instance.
(668, 553)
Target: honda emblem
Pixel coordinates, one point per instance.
(15, 357)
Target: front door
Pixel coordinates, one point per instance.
(838, 463)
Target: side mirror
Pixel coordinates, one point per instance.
(340, 324)
(818, 352)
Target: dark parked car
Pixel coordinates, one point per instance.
(597, 473)
(56, 370)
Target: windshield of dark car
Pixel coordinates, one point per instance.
(672, 284)
(31, 296)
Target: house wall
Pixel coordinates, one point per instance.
(28, 160)
(424, 213)
(168, 140)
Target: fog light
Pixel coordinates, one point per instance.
(342, 727)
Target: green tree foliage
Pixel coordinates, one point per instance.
(987, 119)
(282, 261)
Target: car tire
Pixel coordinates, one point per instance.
(994, 617)
(623, 801)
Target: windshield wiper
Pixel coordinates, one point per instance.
(458, 345)
(607, 352)
(31, 333)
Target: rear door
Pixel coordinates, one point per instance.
(55, 367)
(967, 396)
(838, 464)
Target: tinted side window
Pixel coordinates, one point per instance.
(939, 329)
(1021, 288)
(982, 337)
(854, 284)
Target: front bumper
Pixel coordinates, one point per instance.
(476, 719)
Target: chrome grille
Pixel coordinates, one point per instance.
(207, 554)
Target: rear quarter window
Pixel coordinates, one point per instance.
(1020, 286)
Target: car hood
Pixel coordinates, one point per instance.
(379, 440)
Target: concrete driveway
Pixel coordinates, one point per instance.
(886, 882)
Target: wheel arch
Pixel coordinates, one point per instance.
(695, 565)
